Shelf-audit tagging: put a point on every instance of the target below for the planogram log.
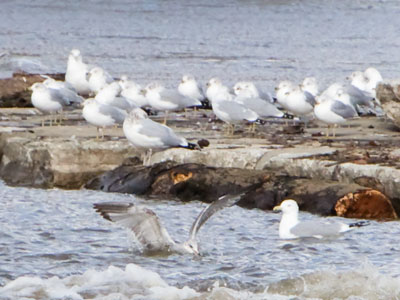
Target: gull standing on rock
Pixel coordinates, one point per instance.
(215, 89)
(249, 90)
(98, 78)
(163, 99)
(102, 115)
(144, 133)
(247, 95)
(291, 228)
(109, 95)
(189, 87)
(76, 73)
(294, 100)
(48, 100)
(133, 92)
(333, 112)
(66, 90)
(310, 85)
(147, 228)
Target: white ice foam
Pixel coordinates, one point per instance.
(134, 282)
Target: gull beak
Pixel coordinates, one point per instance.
(277, 208)
(276, 89)
(144, 92)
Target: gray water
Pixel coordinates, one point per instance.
(47, 233)
(262, 41)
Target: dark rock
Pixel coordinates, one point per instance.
(14, 91)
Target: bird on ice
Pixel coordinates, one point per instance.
(147, 227)
(145, 133)
(291, 228)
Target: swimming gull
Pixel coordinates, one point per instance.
(48, 100)
(163, 99)
(102, 115)
(291, 228)
(77, 72)
(98, 78)
(145, 133)
(148, 230)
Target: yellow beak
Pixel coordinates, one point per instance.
(277, 208)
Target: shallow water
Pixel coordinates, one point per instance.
(263, 41)
(48, 233)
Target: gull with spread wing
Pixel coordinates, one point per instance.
(147, 228)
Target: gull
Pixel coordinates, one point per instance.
(164, 99)
(109, 95)
(145, 133)
(76, 73)
(148, 230)
(310, 86)
(133, 92)
(48, 100)
(232, 112)
(291, 228)
(189, 87)
(215, 89)
(333, 112)
(293, 99)
(248, 96)
(66, 90)
(98, 78)
(102, 115)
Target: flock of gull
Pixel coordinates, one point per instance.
(110, 102)
(107, 102)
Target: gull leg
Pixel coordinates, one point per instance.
(327, 131)
(165, 117)
(97, 133)
(334, 130)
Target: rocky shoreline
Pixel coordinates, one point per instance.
(325, 175)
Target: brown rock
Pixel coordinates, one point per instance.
(389, 95)
(368, 204)
(14, 91)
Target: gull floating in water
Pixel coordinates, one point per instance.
(291, 228)
(147, 228)
(76, 73)
(145, 133)
(102, 115)
(48, 100)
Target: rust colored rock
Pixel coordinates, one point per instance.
(389, 95)
(14, 91)
(367, 204)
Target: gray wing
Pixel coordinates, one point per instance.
(237, 111)
(262, 107)
(58, 97)
(316, 229)
(222, 202)
(343, 110)
(116, 114)
(143, 222)
(309, 98)
(175, 97)
(357, 96)
(164, 133)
